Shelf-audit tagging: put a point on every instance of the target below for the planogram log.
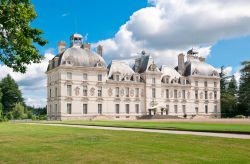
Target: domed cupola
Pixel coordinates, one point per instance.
(196, 66)
(79, 54)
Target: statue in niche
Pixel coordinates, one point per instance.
(211, 95)
(110, 92)
(92, 91)
(77, 91)
(201, 95)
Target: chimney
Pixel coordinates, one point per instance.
(181, 63)
(202, 59)
(99, 49)
(86, 46)
(61, 46)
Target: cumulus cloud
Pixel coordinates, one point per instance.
(33, 82)
(173, 26)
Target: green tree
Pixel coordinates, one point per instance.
(223, 80)
(228, 95)
(1, 106)
(17, 37)
(244, 89)
(12, 95)
(18, 111)
(232, 86)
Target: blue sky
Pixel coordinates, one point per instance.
(98, 19)
(219, 29)
(102, 19)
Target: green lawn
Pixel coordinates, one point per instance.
(20, 143)
(195, 126)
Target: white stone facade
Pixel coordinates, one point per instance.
(81, 86)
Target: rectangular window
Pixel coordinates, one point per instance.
(117, 77)
(196, 83)
(117, 108)
(153, 93)
(50, 109)
(85, 90)
(85, 76)
(206, 95)
(215, 109)
(175, 109)
(183, 94)
(56, 109)
(117, 92)
(153, 80)
(69, 75)
(85, 109)
(196, 95)
(136, 92)
(184, 109)
(69, 108)
(206, 109)
(175, 94)
(167, 109)
(127, 91)
(99, 77)
(50, 93)
(127, 108)
(55, 92)
(205, 83)
(99, 108)
(137, 79)
(197, 110)
(215, 95)
(166, 80)
(137, 108)
(69, 90)
(99, 91)
(215, 84)
(167, 93)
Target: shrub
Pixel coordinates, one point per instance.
(18, 111)
(29, 114)
(240, 116)
(9, 116)
(34, 117)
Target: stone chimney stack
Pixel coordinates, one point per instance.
(181, 63)
(61, 46)
(202, 59)
(86, 46)
(99, 50)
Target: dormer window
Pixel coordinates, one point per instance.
(195, 72)
(116, 77)
(215, 73)
(137, 78)
(99, 64)
(153, 80)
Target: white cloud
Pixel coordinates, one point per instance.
(33, 82)
(173, 26)
(65, 14)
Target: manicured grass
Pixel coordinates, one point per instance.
(193, 126)
(20, 143)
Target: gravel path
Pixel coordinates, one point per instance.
(224, 135)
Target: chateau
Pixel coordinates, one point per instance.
(80, 85)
